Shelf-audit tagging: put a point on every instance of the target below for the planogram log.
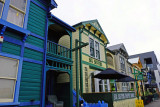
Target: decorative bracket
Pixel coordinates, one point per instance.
(89, 27)
(95, 32)
(100, 35)
(25, 37)
(3, 30)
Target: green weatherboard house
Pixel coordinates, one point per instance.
(33, 59)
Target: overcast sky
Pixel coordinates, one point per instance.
(136, 23)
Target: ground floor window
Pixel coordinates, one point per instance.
(8, 78)
(125, 86)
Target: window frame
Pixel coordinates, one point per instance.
(8, 78)
(122, 65)
(2, 1)
(124, 86)
(20, 11)
(94, 40)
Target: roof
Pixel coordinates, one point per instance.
(133, 60)
(145, 55)
(93, 24)
(117, 47)
(62, 23)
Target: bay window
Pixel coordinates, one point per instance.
(8, 77)
(16, 12)
(94, 48)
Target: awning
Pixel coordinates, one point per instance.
(153, 85)
(126, 79)
(110, 74)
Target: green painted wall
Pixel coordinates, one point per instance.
(31, 78)
(36, 20)
(30, 82)
(11, 48)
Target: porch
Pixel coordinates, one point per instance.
(58, 68)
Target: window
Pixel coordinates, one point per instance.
(122, 63)
(101, 86)
(94, 48)
(16, 12)
(1, 6)
(109, 59)
(130, 69)
(97, 50)
(132, 86)
(105, 86)
(8, 77)
(91, 47)
(124, 86)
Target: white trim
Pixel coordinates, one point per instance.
(95, 40)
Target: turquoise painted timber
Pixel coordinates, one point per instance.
(35, 41)
(32, 54)
(13, 35)
(11, 48)
(36, 20)
(31, 78)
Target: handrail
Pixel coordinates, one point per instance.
(58, 50)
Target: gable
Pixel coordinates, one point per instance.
(123, 48)
(97, 25)
(94, 26)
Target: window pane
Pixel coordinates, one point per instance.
(6, 89)
(1, 5)
(15, 17)
(91, 43)
(20, 4)
(9, 67)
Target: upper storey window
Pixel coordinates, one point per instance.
(94, 48)
(91, 41)
(1, 6)
(122, 63)
(16, 12)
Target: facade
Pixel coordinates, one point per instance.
(91, 59)
(30, 38)
(137, 66)
(111, 64)
(122, 65)
(149, 60)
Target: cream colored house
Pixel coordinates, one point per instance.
(122, 65)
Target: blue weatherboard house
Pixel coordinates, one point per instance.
(35, 66)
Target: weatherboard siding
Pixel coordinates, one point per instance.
(31, 77)
(37, 20)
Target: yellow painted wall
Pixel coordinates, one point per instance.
(75, 35)
(125, 103)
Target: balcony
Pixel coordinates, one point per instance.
(58, 51)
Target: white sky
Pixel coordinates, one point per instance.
(136, 23)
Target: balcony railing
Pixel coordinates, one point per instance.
(57, 50)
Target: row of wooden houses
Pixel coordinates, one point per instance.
(42, 56)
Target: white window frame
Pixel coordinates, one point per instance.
(20, 11)
(124, 86)
(2, 1)
(95, 48)
(8, 78)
